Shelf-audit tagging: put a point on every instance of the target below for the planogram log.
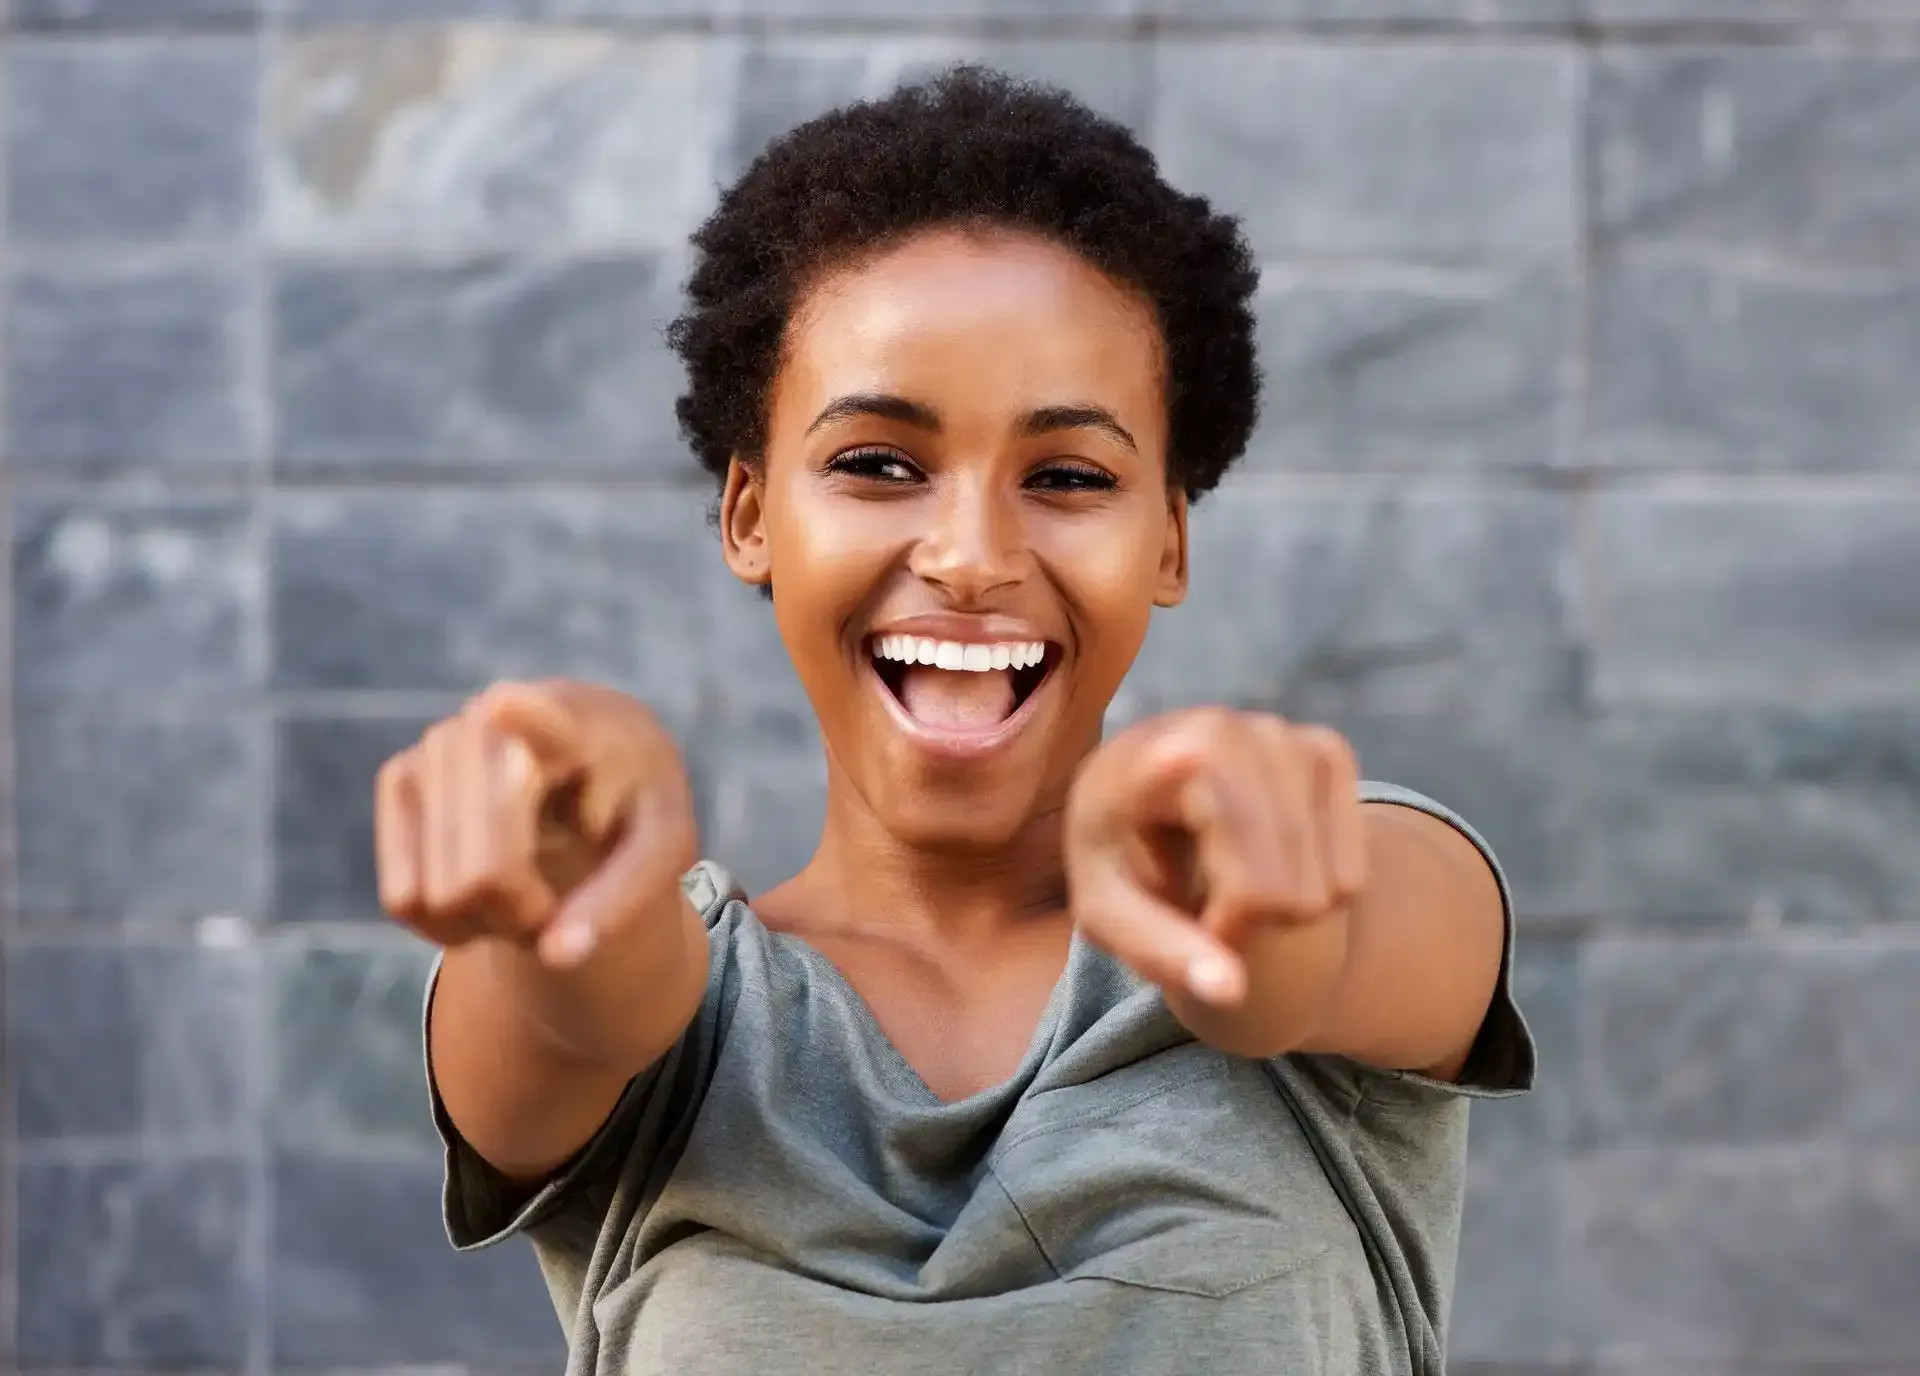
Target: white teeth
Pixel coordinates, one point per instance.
(954, 654)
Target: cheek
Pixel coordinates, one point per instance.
(825, 558)
(1113, 573)
(1116, 561)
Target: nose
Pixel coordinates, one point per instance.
(974, 544)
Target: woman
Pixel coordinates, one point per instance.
(1060, 1056)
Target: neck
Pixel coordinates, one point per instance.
(865, 875)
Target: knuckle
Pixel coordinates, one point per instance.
(393, 769)
(1330, 747)
(1212, 726)
(481, 705)
(479, 902)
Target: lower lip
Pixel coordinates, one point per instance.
(961, 745)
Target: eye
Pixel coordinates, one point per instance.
(1071, 477)
(876, 465)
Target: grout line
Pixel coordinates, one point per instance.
(1573, 567)
(1863, 34)
(257, 1250)
(9, 832)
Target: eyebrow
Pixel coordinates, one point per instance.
(1043, 420)
(1047, 419)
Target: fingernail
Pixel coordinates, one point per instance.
(570, 944)
(1214, 978)
(516, 762)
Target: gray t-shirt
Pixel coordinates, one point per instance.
(782, 1193)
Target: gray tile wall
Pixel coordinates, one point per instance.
(1588, 499)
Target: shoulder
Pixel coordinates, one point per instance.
(713, 890)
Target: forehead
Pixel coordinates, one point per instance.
(955, 313)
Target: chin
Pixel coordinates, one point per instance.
(945, 807)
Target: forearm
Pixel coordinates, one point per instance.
(529, 1059)
(1400, 979)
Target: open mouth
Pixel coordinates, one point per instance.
(960, 688)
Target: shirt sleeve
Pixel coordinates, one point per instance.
(482, 1208)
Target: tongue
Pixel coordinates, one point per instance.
(955, 700)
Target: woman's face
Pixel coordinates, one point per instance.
(964, 512)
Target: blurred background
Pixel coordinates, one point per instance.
(1587, 499)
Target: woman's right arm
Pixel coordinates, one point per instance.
(540, 838)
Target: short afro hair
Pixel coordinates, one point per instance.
(969, 148)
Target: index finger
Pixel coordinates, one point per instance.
(1150, 936)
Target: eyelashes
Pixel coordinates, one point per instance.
(874, 463)
(894, 468)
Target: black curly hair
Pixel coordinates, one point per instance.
(969, 147)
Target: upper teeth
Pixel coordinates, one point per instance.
(952, 654)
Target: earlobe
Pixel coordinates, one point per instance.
(1172, 588)
(743, 526)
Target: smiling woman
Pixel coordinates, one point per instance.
(1061, 1054)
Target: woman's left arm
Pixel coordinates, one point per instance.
(1229, 858)
(1423, 944)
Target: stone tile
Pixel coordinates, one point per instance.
(135, 1265)
(1427, 623)
(1718, 367)
(1758, 817)
(752, 671)
(1779, 596)
(1357, 150)
(1413, 370)
(486, 366)
(1039, 11)
(447, 591)
(491, 135)
(363, 1276)
(1387, 595)
(403, 11)
(1547, 985)
(1510, 1302)
(1748, 1258)
(1791, 153)
(1464, 13)
(323, 814)
(129, 1041)
(114, 369)
(1735, 1041)
(139, 819)
(129, 139)
(125, 14)
(348, 1069)
(130, 596)
(1879, 1036)
(763, 786)
(783, 82)
(1517, 774)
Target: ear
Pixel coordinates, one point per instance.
(743, 524)
(1171, 590)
